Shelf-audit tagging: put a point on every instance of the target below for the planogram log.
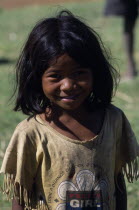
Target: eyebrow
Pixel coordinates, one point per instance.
(57, 69)
(52, 70)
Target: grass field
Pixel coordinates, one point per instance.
(14, 27)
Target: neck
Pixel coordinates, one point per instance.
(57, 114)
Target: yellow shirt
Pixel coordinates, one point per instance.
(47, 170)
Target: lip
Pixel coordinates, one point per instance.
(70, 97)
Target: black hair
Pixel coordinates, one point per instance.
(51, 38)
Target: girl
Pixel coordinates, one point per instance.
(128, 9)
(73, 149)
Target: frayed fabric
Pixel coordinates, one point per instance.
(16, 191)
(131, 170)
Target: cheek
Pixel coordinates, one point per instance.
(49, 88)
(45, 87)
(89, 80)
(89, 83)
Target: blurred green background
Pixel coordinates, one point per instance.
(15, 25)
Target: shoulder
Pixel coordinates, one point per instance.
(30, 124)
(117, 119)
(118, 115)
(115, 113)
(28, 130)
(121, 124)
(26, 124)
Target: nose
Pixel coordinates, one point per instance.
(68, 84)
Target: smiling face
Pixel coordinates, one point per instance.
(66, 84)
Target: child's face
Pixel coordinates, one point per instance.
(66, 84)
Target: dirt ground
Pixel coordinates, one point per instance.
(9, 4)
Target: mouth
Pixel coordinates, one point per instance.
(71, 97)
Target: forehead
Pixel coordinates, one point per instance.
(64, 60)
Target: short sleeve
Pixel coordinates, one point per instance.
(19, 167)
(127, 151)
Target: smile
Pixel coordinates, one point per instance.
(72, 97)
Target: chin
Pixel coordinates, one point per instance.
(70, 108)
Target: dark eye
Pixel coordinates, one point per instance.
(79, 73)
(55, 76)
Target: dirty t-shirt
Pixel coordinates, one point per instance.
(47, 170)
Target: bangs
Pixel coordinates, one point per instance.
(76, 49)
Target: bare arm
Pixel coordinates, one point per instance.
(16, 206)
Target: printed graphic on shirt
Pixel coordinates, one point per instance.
(86, 194)
(84, 200)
